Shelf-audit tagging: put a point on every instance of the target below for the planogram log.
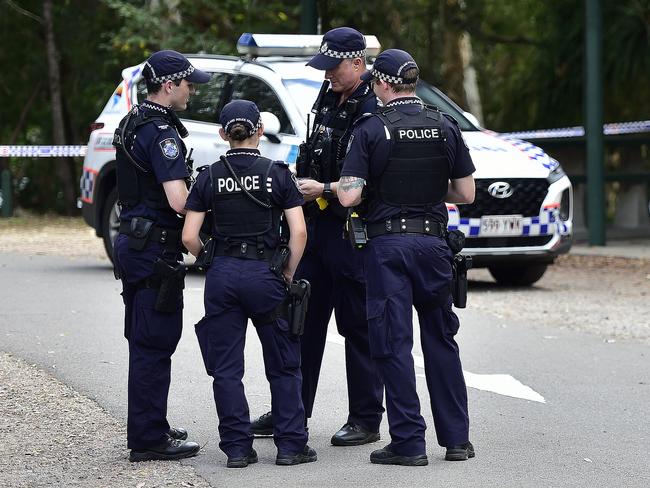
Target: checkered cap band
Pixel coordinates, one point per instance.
(326, 51)
(397, 80)
(174, 76)
(246, 122)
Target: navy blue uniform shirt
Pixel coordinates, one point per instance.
(284, 192)
(369, 150)
(159, 148)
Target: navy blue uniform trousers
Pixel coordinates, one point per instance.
(403, 271)
(153, 337)
(235, 290)
(335, 271)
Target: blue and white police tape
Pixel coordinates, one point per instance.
(42, 151)
(616, 129)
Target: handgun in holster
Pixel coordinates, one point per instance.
(459, 292)
(355, 230)
(172, 282)
(299, 292)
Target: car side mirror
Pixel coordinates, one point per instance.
(271, 126)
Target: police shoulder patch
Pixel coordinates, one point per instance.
(169, 148)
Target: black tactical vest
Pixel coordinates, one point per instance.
(136, 182)
(334, 122)
(237, 217)
(417, 173)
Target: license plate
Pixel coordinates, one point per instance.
(501, 225)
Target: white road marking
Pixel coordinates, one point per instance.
(501, 384)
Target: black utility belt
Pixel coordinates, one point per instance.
(244, 250)
(141, 231)
(404, 225)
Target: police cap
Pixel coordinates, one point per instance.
(171, 65)
(390, 66)
(242, 112)
(339, 44)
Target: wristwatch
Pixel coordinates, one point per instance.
(327, 191)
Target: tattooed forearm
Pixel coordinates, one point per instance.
(348, 183)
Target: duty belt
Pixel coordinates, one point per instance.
(171, 238)
(243, 250)
(403, 225)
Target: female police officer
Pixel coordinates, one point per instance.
(249, 197)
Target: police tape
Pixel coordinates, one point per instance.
(42, 151)
(615, 129)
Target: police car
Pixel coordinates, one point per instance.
(519, 223)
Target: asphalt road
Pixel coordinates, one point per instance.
(585, 424)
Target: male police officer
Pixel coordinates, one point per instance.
(412, 159)
(151, 183)
(329, 263)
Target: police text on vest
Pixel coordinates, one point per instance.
(418, 134)
(251, 182)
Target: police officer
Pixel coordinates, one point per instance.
(330, 265)
(249, 197)
(151, 183)
(412, 159)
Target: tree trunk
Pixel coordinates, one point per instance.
(66, 177)
(470, 83)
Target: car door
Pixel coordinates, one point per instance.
(252, 88)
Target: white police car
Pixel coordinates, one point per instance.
(521, 218)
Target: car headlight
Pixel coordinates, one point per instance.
(556, 173)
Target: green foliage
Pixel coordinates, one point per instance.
(529, 55)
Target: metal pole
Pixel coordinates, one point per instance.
(7, 210)
(594, 123)
(308, 17)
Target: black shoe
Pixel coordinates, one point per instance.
(168, 450)
(308, 455)
(461, 452)
(177, 433)
(263, 425)
(353, 435)
(385, 456)
(242, 462)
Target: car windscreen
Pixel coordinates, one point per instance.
(304, 93)
(433, 96)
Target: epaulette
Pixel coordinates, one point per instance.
(162, 127)
(362, 117)
(450, 117)
(202, 168)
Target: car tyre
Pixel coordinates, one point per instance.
(524, 274)
(110, 222)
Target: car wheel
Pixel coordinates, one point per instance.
(524, 274)
(110, 222)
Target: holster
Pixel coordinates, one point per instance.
(459, 287)
(355, 231)
(279, 260)
(206, 255)
(139, 231)
(298, 300)
(172, 282)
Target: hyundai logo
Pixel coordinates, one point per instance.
(500, 189)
